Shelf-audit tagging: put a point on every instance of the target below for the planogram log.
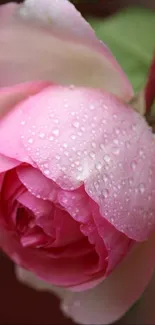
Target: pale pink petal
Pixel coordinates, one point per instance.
(89, 137)
(7, 163)
(110, 300)
(9, 98)
(116, 243)
(30, 279)
(37, 206)
(39, 185)
(45, 267)
(54, 57)
(63, 18)
(7, 10)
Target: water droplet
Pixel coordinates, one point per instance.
(116, 151)
(57, 157)
(133, 127)
(133, 165)
(66, 105)
(55, 132)
(82, 129)
(46, 172)
(42, 135)
(56, 121)
(22, 123)
(65, 145)
(80, 169)
(30, 140)
(130, 180)
(76, 124)
(93, 145)
(73, 137)
(142, 188)
(92, 155)
(92, 107)
(98, 166)
(106, 158)
(117, 131)
(141, 152)
(51, 138)
(105, 178)
(116, 141)
(105, 193)
(102, 146)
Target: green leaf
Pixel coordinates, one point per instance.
(130, 35)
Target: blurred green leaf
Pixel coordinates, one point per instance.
(130, 35)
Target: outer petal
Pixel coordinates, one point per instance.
(63, 57)
(9, 98)
(33, 281)
(111, 299)
(7, 163)
(116, 163)
(6, 11)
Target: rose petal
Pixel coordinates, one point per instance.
(37, 206)
(49, 269)
(37, 183)
(7, 10)
(116, 243)
(9, 98)
(7, 163)
(88, 136)
(53, 57)
(110, 300)
(30, 279)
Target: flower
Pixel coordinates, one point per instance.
(77, 173)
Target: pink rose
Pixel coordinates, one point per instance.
(77, 173)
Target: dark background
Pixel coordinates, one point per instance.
(19, 304)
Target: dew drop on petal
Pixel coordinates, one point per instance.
(98, 166)
(76, 124)
(92, 154)
(116, 141)
(106, 158)
(133, 165)
(117, 131)
(116, 151)
(55, 132)
(30, 140)
(22, 123)
(142, 188)
(42, 135)
(93, 145)
(46, 172)
(92, 107)
(105, 193)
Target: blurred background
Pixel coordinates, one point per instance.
(133, 45)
